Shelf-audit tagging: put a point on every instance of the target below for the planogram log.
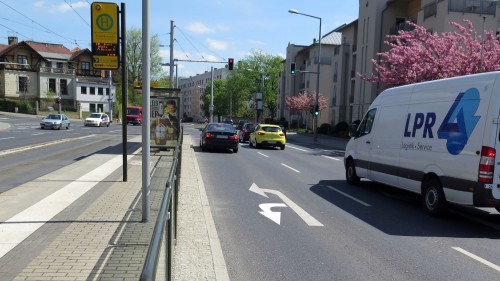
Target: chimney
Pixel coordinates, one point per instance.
(12, 40)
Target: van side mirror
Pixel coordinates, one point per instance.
(353, 129)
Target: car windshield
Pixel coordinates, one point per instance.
(54, 116)
(133, 111)
(95, 115)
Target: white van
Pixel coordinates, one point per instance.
(437, 138)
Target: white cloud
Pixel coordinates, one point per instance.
(217, 45)
(199, 28)
(39, 4)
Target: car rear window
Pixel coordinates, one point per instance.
(95, 115)
(271, 129)
(221, 127)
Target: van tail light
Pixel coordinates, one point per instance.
(208, 136)
(486, 165)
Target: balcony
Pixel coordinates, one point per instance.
(88, 72)
(16, 66)
(482, 7)
(57, 70)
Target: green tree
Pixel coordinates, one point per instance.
(134, 56)
(258, 72)
(220, 98)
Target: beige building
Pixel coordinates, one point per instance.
(37, 71)
(192, 90)
(350, 96)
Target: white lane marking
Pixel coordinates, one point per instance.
(295, 170)
(262, 154)
(479, 259)
(308, 219)
(14, 230)
(333, 158)
(6, 138)
(349, 196)
(19, 149)
(290, 146)
(38, 134)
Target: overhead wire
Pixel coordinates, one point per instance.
(47, 29)
(208, 49)
(14, 31)
(77, 13)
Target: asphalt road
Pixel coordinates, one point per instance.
(28, 152)
(289, 215)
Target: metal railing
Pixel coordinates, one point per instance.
(166, 222)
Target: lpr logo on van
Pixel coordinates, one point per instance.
(456, 127)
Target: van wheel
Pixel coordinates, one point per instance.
(433, 199)
(350, 173)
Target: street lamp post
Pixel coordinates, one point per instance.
(315, 123)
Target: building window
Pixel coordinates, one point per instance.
(100, 91)
(48, 64)
(52, 85)
(107, 91)
(63, 85)
(60, 65)
(85, 65)
(92, 107)
(92, 90)
(22, 59)
(23, 84)
(84, 90)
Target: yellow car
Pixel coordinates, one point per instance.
(267, 135)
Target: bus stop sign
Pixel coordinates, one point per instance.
(105, 47)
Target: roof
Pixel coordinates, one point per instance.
(3, 47)
(332, 38)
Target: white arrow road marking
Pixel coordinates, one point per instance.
(479, 259)
(308, 219)
(266, 211)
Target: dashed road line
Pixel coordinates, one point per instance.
(263, 154)
(297, 148)
(295, 170)
(477, 258)
(333, 158)
(19, 149)
(349, 196)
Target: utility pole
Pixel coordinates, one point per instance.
(171, 81)
(211, 109)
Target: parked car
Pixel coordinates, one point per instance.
(219, 135)
(267, 135)
(55, 121)
(244, 132)
(97, 119)
(240, 124)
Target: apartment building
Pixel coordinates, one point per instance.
(350, 96)
(38, 71)
(192, 90)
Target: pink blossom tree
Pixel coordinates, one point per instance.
(303, 102)
(417, 55)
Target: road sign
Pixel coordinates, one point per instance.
(105, 26)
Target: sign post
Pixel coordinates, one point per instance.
(105, 47)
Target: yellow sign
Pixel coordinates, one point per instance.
(152, 84)
(105, 48)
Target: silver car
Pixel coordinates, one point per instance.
(55, 121)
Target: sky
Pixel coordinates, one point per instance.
(205, 30)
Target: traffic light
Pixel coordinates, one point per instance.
(292, 68)
(311, 109)
(230, 63)
(316, 110)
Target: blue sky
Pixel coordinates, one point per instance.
(211, 30)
